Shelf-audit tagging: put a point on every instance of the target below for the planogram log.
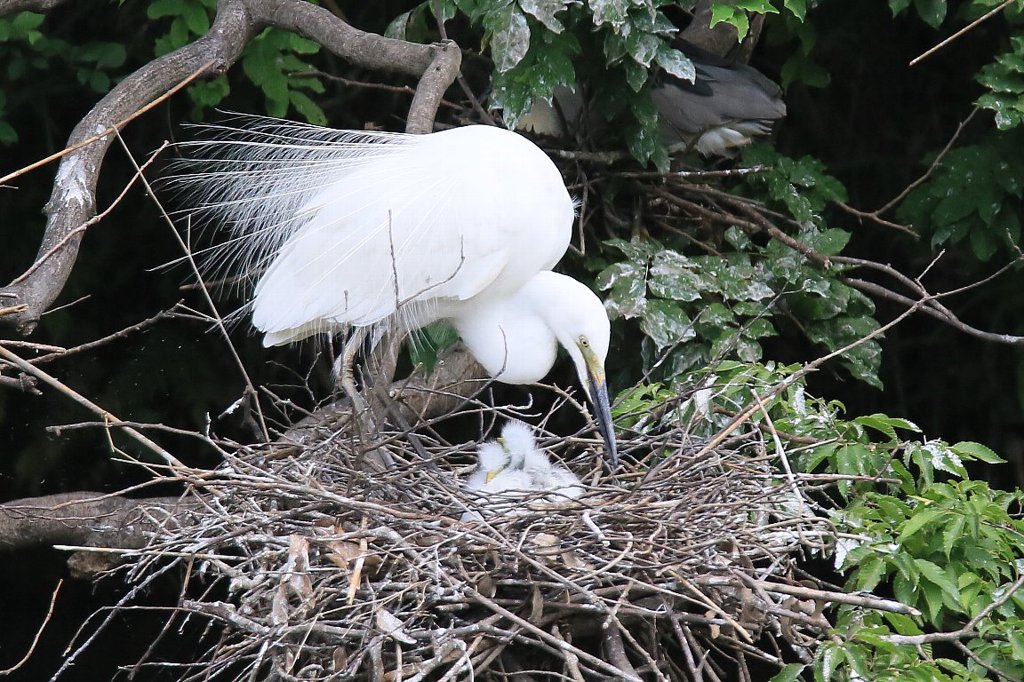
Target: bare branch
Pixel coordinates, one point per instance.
(85, 518)
(11, 6)
(72, 202)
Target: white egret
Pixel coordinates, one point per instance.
(503, 488)
(524, 455)
(389, 231)
(513, 469)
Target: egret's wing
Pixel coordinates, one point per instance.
(251, 176)
(350, 228)
(388, 236)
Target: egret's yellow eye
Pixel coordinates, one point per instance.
(584, 342)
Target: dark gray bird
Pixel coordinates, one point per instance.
(723, 110)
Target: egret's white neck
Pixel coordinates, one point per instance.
(512, 337)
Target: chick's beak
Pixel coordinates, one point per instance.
(598, 390)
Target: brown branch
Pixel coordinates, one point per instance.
(11, 6)
(39, 633)
(967, 631)
(889, 205)
(72, 202)
(85, 518)
(966, 29)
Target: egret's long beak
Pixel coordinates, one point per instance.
(599, 397)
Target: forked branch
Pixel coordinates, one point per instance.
(72, 202)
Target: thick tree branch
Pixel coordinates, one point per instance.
(72, 202)
(11, 6)
(87, 519)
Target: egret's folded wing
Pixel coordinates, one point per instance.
(351, 228)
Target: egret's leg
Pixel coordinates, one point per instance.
(344, 372)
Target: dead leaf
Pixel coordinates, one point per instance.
(388, 624)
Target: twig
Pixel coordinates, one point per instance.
(988, 15)
(31, 369)
(39, 633)
(968, 630)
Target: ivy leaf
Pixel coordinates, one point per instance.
(797, 7)
(611, 12)
(544, 11)
(546, 66)
(731, 15)
(675, 63)
(666, 323)
(509, 36)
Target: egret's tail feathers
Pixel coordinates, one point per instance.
(255, 177)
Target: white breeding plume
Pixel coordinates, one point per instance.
(346, 229)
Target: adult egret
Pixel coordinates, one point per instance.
(726, 106)
(389, 231)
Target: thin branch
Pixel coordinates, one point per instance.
(32, 370)
(39, 633)
(967, 631)
(966, 29)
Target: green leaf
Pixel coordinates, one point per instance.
(544, 11)
(159, 9)
(509, 36)
(952, 534)
(919, 521)
(935, 575)
(611, 12)
(729, 14)
(8, 135)
(196, 18)
(666, 323)
(676, 63)
(25, 22)
(790, 673)
(797, 7)
(932, 11)
(971, 450)
(309, 109)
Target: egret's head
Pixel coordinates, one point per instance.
(493, 459)
(517, 439)
(580, 322)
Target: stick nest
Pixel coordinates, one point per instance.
(682, 565)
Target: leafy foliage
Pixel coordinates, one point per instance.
(28, 54)
(704, 308)
(1005, 80)
(911, 522)
(272, 61)
(974, 194)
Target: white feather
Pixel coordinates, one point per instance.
(347, 228)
